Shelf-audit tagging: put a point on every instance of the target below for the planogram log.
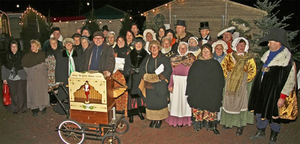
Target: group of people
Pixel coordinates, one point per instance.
(170, 75)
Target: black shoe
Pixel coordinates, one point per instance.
(239, 131)
(35, 112)
(141, 116)
(158, 124)
(44, 111)
(273, 137)
(131, 119)
(214, 127)
(259, 134)
(225, 127)
(15, 112)
(152, 124)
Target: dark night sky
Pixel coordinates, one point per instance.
(71, 7)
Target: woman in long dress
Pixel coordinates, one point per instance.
(205, 84)
(157, 71)
(180, 110)
(239, 70)
(37, 86)
(133, 63)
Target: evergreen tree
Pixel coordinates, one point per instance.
(91, 23)
(34, 26)
(126, 25)
(268, 22)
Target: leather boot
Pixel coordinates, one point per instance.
(273, 136)
(214, 127)
(239, 131)
(131, 119)
(259, 134)
(141, 116)
(158, 124)
(152, 123)
(35, 112)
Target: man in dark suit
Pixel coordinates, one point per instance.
(204, 35)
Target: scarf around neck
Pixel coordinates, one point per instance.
(71, 64)
(237, 73)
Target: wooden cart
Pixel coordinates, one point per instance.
(92, 112)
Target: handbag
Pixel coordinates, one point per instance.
(289, 110)
(6, 95)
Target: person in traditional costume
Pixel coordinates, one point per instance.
(132, 69)
(149, 35)
(183, 49)
(180, 110)
(67, 61)
(193, 46)
(204, 34)
(37, 86)
(273, 83)
(166, 47)
(181, 33)
(13, 74)
(156, 76)
(219, 50)
(204, 89)
(227, 36)
(239, 70)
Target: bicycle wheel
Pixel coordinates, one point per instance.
(70, 132)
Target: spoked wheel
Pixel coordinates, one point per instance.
(122, 127)
(111, 139)
(70, 132)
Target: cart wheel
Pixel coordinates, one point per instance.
(122, 127)
(70, 132)
(111, 139)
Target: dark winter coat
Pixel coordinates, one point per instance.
(131, 71)
(62, 74)
(107, 59)
(157, 98)
(266, 90)
(205, 84)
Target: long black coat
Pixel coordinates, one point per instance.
(131, 72)
(266, 92)
(205, 84)
(157, 98)
(62, 74)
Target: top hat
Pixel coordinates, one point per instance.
(276, 34)
(181, 23)
(204, 25)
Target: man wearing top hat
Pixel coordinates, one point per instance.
(204, 35)
(227, 36)
(98, 56)
(181, 33)
(273, 83)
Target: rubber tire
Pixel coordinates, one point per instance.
(110, 136)
(124, 122)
